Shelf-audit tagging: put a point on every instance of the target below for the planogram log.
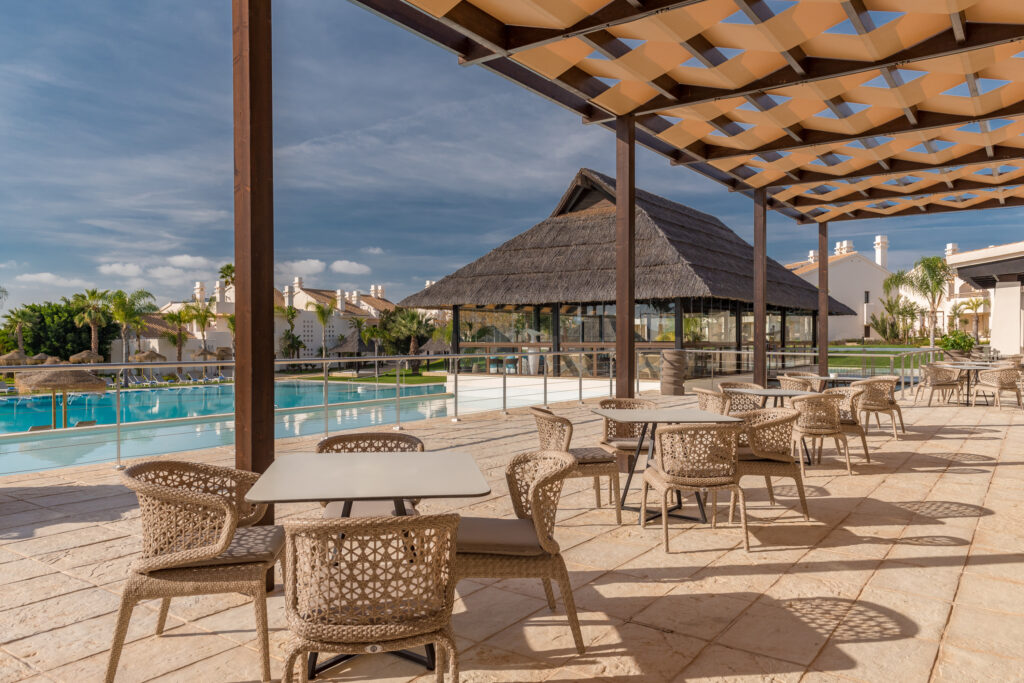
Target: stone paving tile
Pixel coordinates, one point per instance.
(910, 570)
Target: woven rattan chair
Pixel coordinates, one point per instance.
(555, 434)
(371, 584)
(849, 414)
(877, 399)
(197, 539)
(368, 442)
(698, 457)
(523, 547)
(739, 402)
(794, 383)
(713, 401)
(817, 384)
(947, 381)
(622, 438)
(819, 420)
(770, 451)
(997, 381)
(893, 381)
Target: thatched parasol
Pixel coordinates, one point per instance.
(204, 354)
(53, 360)
(86, 356)
(225, 353)
(62, 381)
(148, 356)
(38, 359)
(15, 357)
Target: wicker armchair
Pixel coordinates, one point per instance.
(523, 547)
(555, 434)
(770, 453)
(817, 384)
(939, 378)
(698, 457)
(997, 381)
(622, 438)
(739, 402)
(849, 414)
(794, 383)
(394, 589)
(368, 442)
(820, 419)
(197, 539)
(879, 398)
(713, 401)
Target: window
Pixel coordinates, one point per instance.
(867, 296)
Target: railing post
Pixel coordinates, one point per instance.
(326, 429)
(398, 396)
(117, 404)
(579, 370)
(611, 376)
(546, 381)
(903, 375)
(504, 386)
(455, 387)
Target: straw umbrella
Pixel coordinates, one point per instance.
(15, 357)
(38, 359)
(62, 381)
(204, 354)
(54, 360)
(149, 356)
(86, 356)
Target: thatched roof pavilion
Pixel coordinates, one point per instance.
(570, 257)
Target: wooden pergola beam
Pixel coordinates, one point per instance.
(760, 287)
(625, 255)
(822, 321)
(940, 187)
(994, 203)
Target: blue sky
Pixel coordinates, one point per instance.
(393, 164)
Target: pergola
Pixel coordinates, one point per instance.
(823, 110)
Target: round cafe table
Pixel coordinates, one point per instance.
(777, 395)
(970, 369)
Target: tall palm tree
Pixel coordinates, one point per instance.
(128, 309)
(956, 314)
(227, 274)
(290, 344)
(974, 306)
(179, 320)
(323, 314)
(18, 321)
(930, 280)
(93, 306)
(413, 324)
(202, 314)
(3, 296)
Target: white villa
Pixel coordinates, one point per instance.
(855, 280)
(349, 305)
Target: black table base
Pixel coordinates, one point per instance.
(679, 498)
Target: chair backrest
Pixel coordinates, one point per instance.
(770, 432)
(624, 430)
(877, 393)
(370, 442)
(817, 384)
(849, 407)
(794, 383)
(739, 402)
(698, 453)
(554, 432)
(818, 413)
(940, 374)
(394, 579)
(189, 511)
(535, 484)
(1002, 377)
(713, 401)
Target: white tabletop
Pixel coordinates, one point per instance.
(663, 415)
(835, 378)
(969, 366)
(785, 393)
(307, 477)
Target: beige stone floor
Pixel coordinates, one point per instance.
(911, 570)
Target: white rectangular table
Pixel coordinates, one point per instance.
(650, 418)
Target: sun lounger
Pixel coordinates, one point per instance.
(39, 428)
(86, 423)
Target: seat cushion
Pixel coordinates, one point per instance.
(251, 544)
(591, 456)
(492, 536)
(365, 508)
(626, 444)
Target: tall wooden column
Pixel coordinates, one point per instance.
(254, 237)
(822, 298)
(625, 255)
(760, 286)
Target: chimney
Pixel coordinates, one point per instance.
(339, 299)
(380, 292)
(199, 292)
(882, 251)
(297, 283)
(355, 297)
(812, 257)
(218, 292)
(952, 248)
(427, 283)
(289, 296)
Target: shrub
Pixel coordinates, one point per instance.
(957, 340)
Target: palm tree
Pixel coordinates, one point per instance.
(3, 296)
(413, 324)
(227, 274)
(127, 310)
(956, 314)
(202, 314)
(929, 279)
(323, 315)
(179, 320)
(93, 307)
(290, 344)
(18, 321)
(232, 329)
(974, 306)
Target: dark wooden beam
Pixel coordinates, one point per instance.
(254, 238)
(822, 320)
(625, 255)
(994, 203)
(817, 69)
(760, 287)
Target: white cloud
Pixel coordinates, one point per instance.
(309, 266)
(349, 267)
(188, 261)
(168, 274)
(121, 269)
(8, 264)
(376, 251)
(52, 280)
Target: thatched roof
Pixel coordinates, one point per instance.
(155, 327)
(59, 380)
(15, 357)
(86, 356)
(570, 258)
(353, 344)
(148, 356)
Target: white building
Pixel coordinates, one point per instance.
(959, 291)
(853, 279)
(998, 269)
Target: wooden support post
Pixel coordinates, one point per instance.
(456, 331)
(625, 255)
(760, 286)
(822, 298)
(556, 338)
(680, 331)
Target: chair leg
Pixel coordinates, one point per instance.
(878, 420)
(615, 495)
(892, 418)
(899, 412)
(440, 660)
(597, 491)
(743, 518)
(714, 508)
(732, 505)
(295, 655)
(664, 516)
(643, 505)
(800, 492)
(562, 577)
(845, 450)
(124, 616)
(771, 493)
(161, 620)
(864, 443)
(259, 599)
(548, 593)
